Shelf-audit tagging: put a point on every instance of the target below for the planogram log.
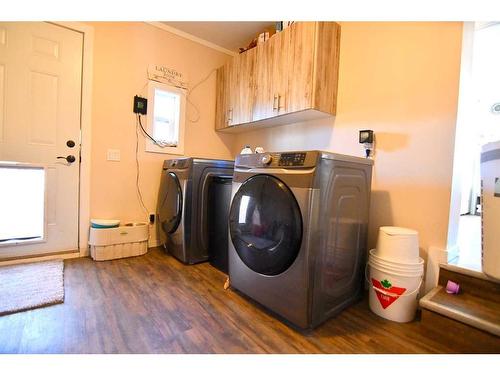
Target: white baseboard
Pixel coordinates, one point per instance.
(85, 251)
(75, 254)
(153, 243)
(435, 257)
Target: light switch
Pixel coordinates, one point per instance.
(113, 155)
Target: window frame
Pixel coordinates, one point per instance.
(150, 146)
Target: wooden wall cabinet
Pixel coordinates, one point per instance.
(291, 77)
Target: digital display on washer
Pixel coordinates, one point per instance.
(295, 159)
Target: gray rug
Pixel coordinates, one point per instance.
(31, 285)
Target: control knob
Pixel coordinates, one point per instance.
(266, 159)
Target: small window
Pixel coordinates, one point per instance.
(166, 118)
(22, 203)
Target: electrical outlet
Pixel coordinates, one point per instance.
(113, 155)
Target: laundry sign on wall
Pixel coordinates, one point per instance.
(169, 76)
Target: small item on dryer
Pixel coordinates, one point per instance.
(259, 150)
(246, 150)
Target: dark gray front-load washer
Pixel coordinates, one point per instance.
(298, 231)
(182, 209)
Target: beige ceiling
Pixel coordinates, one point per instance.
(229, 35)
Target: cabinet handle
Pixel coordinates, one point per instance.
(229, 116)
(279, 100)
(274, 102)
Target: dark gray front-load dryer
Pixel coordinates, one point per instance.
(182, 209)
(298, 226)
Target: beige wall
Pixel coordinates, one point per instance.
(401, 80)
(122, 53)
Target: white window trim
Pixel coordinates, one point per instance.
(150, 146)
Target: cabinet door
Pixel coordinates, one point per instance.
(271, 77)
(263, 100)
(222, 104)
(242, 80)
(327, 67)
(233, 93)
(300, 66)
(280, 45)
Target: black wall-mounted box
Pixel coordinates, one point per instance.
(366, 136)
(140, 105)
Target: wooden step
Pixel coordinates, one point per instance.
(471, 317)
(471, 282)
(466, 308)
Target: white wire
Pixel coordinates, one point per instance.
(137, 170)
(191, 90)
(161, 144)
(188, 93)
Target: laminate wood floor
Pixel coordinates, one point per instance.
(155, 304)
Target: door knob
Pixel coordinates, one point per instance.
(70, 158)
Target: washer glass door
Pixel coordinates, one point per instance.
(265, 225)
(170, 208)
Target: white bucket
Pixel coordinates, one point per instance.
(398, 244)
(398, 265)
(393, 292)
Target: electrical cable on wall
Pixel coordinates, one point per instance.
(188, 100)
(138, 125)
(194, 88)
(158, 143)
(137, 170)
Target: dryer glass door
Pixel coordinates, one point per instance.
(170, 208)
(265, 225)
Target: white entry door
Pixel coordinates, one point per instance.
(40, 105)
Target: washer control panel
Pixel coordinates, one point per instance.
(181, 163)
(295, 159)
(300, 159)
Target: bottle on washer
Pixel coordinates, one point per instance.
(246, 150)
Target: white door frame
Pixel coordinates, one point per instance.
(85, 135)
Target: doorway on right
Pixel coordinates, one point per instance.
(478, 124)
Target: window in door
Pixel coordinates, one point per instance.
(22, 202)
(166, 118)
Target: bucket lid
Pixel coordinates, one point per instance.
(105, 222)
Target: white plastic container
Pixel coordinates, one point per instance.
(394, 291)
(246, 150)
(403, 266)
(128, 240)
(398, 245)
(104, 223)
(490, 202)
